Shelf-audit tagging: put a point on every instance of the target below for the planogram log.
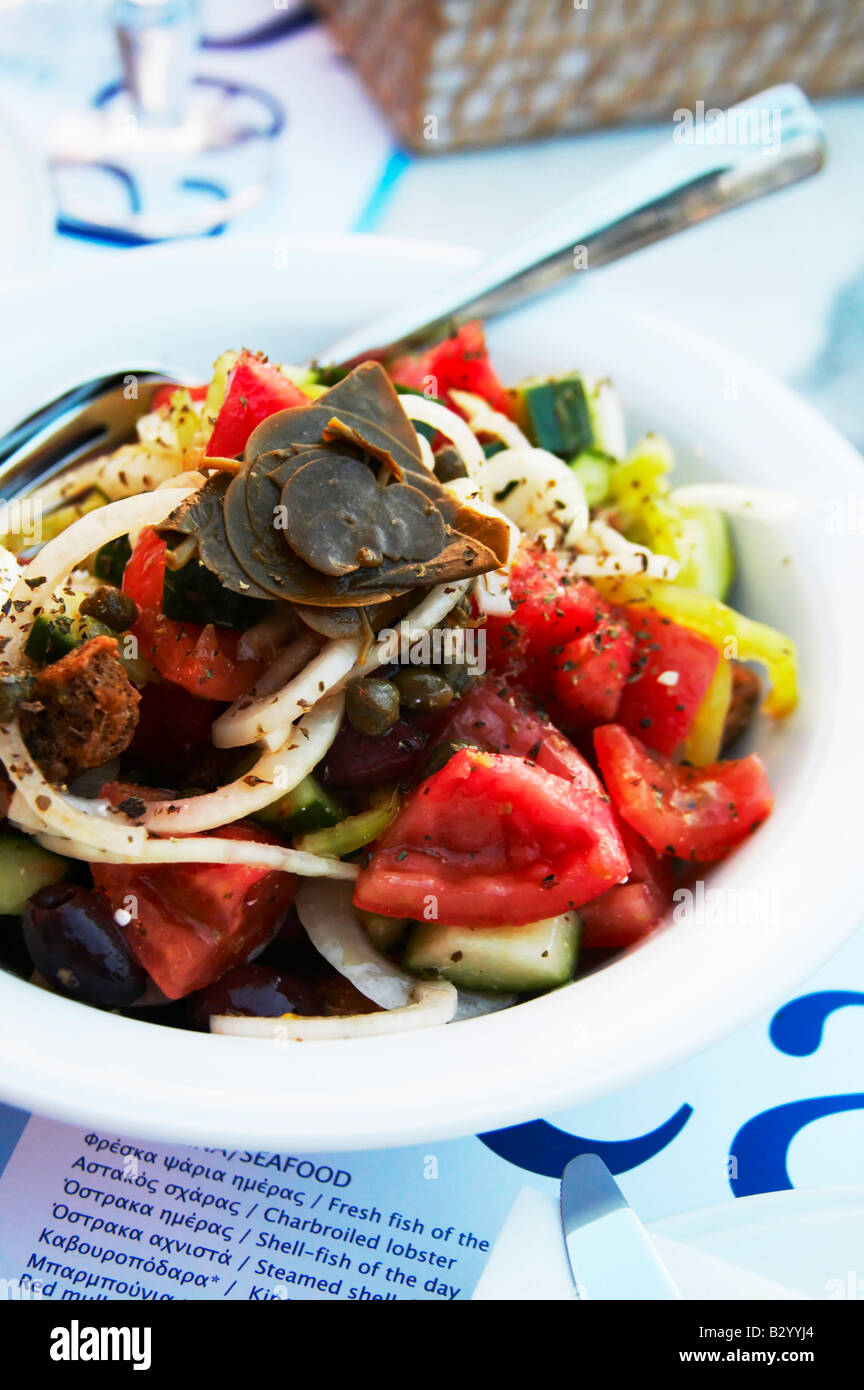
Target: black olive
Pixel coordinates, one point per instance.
(260, 991)
(111, 607)
(422, 689)
(75, 943)
(372, 705)
(13, 952)
(357, 762)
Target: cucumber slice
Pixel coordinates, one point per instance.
(537, 956)
(705, 552)
(607, 417)
(383, 932)
(24, 868)
(308, 806)
(594, 471)
(556, 414)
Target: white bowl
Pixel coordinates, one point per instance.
(675, 993)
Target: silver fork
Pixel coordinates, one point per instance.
(678, 186)
(91, 418)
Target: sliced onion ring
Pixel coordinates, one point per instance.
(267, 717)
(535, 489)
(447, 422)
(60, 556)
(431, 1005)
(208, 850)
(484, 420)
(10, 573)
(298, 754)
(639, 562)
(330, 922)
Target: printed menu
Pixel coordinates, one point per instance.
(91, 1215)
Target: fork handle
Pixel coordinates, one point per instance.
(771, 140)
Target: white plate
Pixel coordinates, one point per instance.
(808, 1241)
(674, 994)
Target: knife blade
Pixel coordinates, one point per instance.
(610, 1252)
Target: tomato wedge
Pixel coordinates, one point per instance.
(591, 671)
(203, 660)
(165, 395)
(695, 813)
(552, 608)
(495, 718)
(461, 361)
(658, 713)
(192, 922)
(624, 914)
(256, 390)
(492, 840)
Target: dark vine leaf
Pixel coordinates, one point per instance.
(334, 622)
(358, 524)
(353, 621)
(202, 516)
(259, 547)
(299, 555)
(363, 408)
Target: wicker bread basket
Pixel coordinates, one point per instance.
(450, 74)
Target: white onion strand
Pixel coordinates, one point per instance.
(431, 1005)
(209, 849)
(330, 922)
(267, 717)
(448, 423)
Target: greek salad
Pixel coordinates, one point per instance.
(348, 702)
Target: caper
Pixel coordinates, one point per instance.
(13, 690)
(422, 689)
(372, 705)
(460, 677)
(111, 607)
(441, 755)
